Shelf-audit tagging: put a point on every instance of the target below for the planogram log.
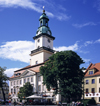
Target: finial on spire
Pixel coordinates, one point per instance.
(43, 10)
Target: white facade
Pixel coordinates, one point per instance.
(44, 41)
(39, 57)
(43, 50)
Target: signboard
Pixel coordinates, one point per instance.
(92, 95)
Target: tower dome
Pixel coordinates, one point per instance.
(43, 28)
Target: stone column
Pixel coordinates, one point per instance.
(35, 83)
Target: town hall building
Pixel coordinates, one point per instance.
(43, 50)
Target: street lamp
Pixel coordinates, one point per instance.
(44, 96)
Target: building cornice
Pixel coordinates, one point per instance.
(36, 37)
(41, 49)
(92, 76)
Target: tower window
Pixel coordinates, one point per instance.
(41, 23)
(36, 62)
(38, 40)
(46, 23)
(49, 40)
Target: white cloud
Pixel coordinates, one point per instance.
(24, 4)
(83, 25)
(17, 50)
(91, 42)
(97, 4)
(97, 41)
(86, 60)
(88, 42)
(37, 5)
(20, 50)
(62, 48)
(10, 72)
(62, 16)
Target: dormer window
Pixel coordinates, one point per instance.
(90, 72)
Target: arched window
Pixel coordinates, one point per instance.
(41, 23)
(46, 23)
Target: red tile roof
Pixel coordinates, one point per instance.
(93, 66)
(34, 68)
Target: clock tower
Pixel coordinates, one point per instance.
(43, 42)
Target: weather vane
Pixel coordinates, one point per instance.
(43, 9)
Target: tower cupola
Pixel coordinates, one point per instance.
(43, 26)
(43, 41)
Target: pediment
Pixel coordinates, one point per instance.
(28, 73)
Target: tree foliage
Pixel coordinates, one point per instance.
(3, 79)
(25, 91)
(62, 72)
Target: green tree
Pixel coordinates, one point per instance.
(25, 91)
(3, 79)
(62, 72)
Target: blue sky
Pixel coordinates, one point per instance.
(74, 23)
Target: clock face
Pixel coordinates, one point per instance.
(49, 32)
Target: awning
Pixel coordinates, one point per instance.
(39, 97)
(34, 96)
(14, 97)
(48, 97)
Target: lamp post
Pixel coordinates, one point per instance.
(45, 98)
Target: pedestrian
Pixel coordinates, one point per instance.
(9, 102)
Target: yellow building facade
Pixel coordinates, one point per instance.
(92, 82)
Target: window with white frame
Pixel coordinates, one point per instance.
(20, 81)
(27, 79)
(11, 90)
(31, 79)
(17, 82)
(11, 83)
(14, 82)
(39, 87)
(24, 80)
(39, 78)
